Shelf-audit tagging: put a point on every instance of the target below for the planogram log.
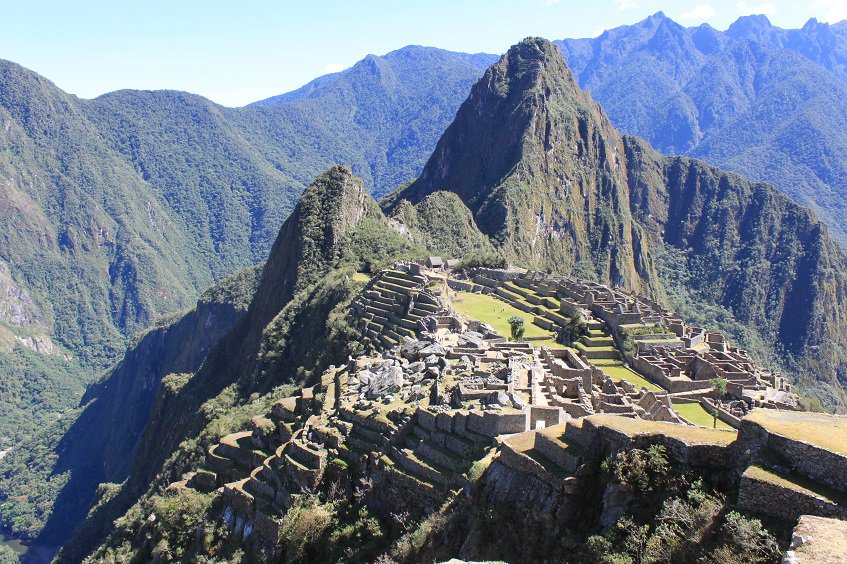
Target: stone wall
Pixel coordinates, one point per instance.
(715, 456)
(723, 414)
(368, 422)
(494, 274)
(463, 285)
(821, 465)
(769, 498)
(492, 425)
(519, 488)
(549, 415)
(575, 410)
(672, 384)
(516, 460)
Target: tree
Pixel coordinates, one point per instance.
(516, 323)
(719, 386)
(575, 328)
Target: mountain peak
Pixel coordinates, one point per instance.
(750, 27)
(524, 68)
(519, 90)
(654, 19)
(528, 146)
(310, 239)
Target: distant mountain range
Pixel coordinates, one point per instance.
(124, 208)
(757, 99)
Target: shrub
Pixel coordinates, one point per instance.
(305, 522)
(746, 540)
(484, 260)
(642, 470)
(575, 328)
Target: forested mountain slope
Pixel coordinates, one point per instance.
(756, 99)
(121, 209)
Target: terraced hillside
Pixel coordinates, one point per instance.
(441, 403)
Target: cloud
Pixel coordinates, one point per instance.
(627, 4)
(698, 12)
(748, 8)
(831, 11)
(549, 2)
(333, 67)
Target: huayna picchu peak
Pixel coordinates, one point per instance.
(554, 344)
(541, 169)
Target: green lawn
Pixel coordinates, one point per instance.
(621, 372)
(496, 313)
(361, 277)
(691, 435)
(694, 413)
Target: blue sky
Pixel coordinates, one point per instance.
(238, 52)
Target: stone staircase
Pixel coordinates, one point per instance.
(392, 306)
(437, 449)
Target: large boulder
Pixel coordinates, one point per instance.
(498, 398)
(388, 380)
(433, 349)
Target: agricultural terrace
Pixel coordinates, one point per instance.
(495, 312)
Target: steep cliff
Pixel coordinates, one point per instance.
(753, 251)
(541, 169)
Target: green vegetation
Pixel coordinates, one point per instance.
(123, 208)
(296, 326)
(29, 480)
(695, 413)
(444, 225)
(674, 517)
(632, 227)
(719, 387)
(131, 254)
(643, 470)
(361, 277)
(516, 327)
(414, 541)
(490, 259)
(496, 313)
(34, 474)
(622, 372)
(681, 523)
(687, 100)
(575, 329)
(34, 389)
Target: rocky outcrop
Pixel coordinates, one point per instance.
(295, 282)
(16, 305)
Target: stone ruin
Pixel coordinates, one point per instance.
(437, 393)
